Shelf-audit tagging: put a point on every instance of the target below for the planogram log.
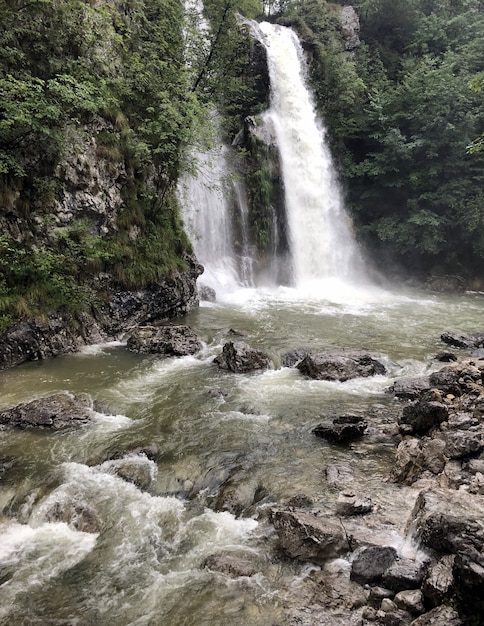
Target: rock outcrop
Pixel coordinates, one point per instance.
(340, 366)
(239, 357)
(61, 334)
(57, 412)
(166, 340)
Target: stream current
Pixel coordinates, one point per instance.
(144, 564)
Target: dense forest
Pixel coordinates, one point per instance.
(129, 84)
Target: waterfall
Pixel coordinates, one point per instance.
(206, 212)
(321, 240)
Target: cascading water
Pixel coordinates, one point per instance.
(206, 212)
(321, 241)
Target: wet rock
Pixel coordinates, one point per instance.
(340, 365)
(464, 340)
(369, 564)
(300, 501)
(78, 515)
(339, 475)
(440, 616)
(206, 293)
(397, 617)
(416, 456)
(167, 340)
(411, 601)
(377, 594)
(469, 586)
(137, 470)
(218, 393)
(410, 388)
(230, 565)
(446, 380)
(293, 357)
(235, 333)
(342, 429)
(349, 504)
(6, 463)
(404, 574)
(424, 415)
(449, 522)
(445, 357)
(240, 357)
(438, 584)
(461, 444)
(56, 412)
(237, 496)
(307, 536)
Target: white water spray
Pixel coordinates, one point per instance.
(321, 240)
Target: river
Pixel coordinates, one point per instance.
(144, 565)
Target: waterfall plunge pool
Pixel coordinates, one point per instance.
(143, 563)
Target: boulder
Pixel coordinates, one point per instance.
(464, 340)
(206, 293)
(230, 565)
(449, 522)
(340, 366)
(411, 601)
(415, 456)
(469, 586)
(294, 357)
(308, 536)
(240, 357)
(461, 444)
(370, 563)
(167, 340)
(56, 412)
(342, 429)
(423, 415)
(404, 574)
(438, 583)
(410, 388)
(349, 504)
(78, 515)
(440, 616)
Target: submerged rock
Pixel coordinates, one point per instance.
(342, 429)
(168, 340)
(240, 357)
(349, 504)
(340, 366)
(230, 565)
(57, 412)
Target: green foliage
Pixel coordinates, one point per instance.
(413, 166)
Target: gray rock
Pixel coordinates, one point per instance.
(166, 340)
(339, 475)
(350, 28)
(340, 365)
(206, 293)
(342, 429)
(411, 601)
(469, 586)
(440, 616)
(439, 581)
(56, 412)
(349, 504)
(461, 444)
(294, 357)
(377, 594)
(78, 515)
(446, 380)
(423, 415)
(230, 565)
(415, 456)
(404, 574)
(410, 388)
(369, 564)
(240, 357)
(464, 340)
(307, 536)
(449, 522)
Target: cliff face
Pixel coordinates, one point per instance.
(93, 122)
